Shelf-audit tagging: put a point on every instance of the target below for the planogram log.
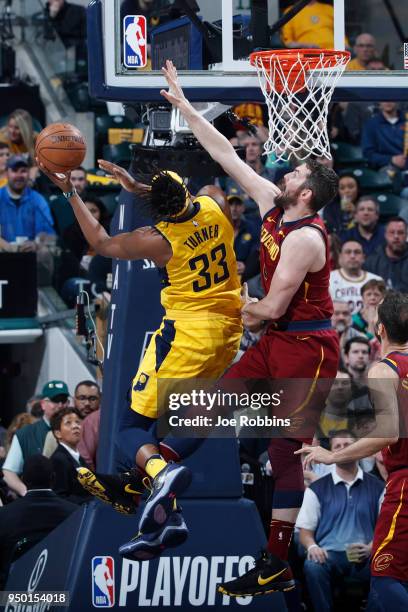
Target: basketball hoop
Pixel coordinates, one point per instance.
(298, 85)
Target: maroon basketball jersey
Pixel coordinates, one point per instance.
(396, 456)
(312, 300)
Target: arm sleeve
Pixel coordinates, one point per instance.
(14, 461)
(309, 514)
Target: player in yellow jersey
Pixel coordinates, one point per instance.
(192, 245)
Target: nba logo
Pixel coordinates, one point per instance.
(134, 41)
(103, 582)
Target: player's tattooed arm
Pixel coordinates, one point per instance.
(262, 191)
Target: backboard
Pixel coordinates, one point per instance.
(210, 41)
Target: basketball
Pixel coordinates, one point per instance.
(60, 147)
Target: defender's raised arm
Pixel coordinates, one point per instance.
(220, 149)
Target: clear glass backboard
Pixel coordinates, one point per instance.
(210, 41)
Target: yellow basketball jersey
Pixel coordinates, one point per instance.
(202, 273)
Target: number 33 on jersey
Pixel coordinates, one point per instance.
(202, 273)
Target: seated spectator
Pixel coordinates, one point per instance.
(32, 517)
(69, 21)
(76, 242)
(20, 420)
(19, 135)
(379, 468)
(376, 63)
(383, 138)
(4, 157)
(334, 248)
(367, 229)
(372, 293)
(346, 121)
(246, 235)
(339, 214)
(311, 28)
(364, 50)
(334, 415)
(23, 211)
(336, 522)
(391, 259)
(33, 406)
(79, 180)
(30, 439)
(357, 359)
(341, 321)
(87, 397)
(346, 282)
(66, 426)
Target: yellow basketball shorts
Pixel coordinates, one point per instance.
(187, 345)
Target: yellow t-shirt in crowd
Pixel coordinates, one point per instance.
(313, 25)
(3, 181)
(355, 64)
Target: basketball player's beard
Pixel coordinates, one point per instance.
(285, 200)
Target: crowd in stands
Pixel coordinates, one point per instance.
(39, 456)
(43, 446)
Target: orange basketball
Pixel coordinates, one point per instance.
(60, 147)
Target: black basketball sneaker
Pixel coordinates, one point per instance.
(170, 482)
(269, 574)
(122, 492)
(143, 546)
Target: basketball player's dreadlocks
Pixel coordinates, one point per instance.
(164, 195)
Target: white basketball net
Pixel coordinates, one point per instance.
(298, 119)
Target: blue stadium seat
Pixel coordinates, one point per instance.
(348, 155)
(390, 204)
(371, 180)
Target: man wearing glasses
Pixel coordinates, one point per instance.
(87, 397)
(364, 49)
(30, 439)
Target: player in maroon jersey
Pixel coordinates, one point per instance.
(299, 342)
(388, 382)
